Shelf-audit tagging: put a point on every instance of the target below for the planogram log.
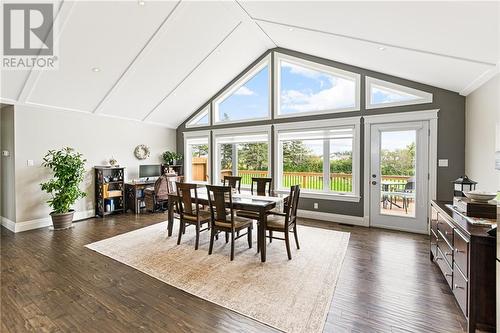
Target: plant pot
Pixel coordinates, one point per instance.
(62, 221)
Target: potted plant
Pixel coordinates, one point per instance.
(171, 157)
(69, 170)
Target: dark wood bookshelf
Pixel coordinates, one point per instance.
(109, 179)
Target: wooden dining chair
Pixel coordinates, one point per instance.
(261, 186)
(223, 219)
(190, 212)
(233, 181)
(285, 222)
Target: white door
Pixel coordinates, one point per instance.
(399, 176)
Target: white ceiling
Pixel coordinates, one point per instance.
(161, 61)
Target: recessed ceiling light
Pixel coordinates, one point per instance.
(290, 29)
(141, 3)
(96, 69)
(382, 48)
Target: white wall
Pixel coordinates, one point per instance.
(97, 138)
(482, 112)
(7, 170)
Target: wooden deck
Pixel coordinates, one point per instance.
(51, 283)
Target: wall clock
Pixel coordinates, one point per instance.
(142, 152)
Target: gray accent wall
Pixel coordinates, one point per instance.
(451, 129)
(7, 181)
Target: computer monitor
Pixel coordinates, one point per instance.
(149, 171)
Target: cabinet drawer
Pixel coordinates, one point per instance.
(445, 268)
(446, 229)
(433, 242)
(445, 248)
(461, 255)
(434, 220)
(460, 286)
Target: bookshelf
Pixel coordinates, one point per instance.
(109, 190)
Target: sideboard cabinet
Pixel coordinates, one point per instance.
(465, 254)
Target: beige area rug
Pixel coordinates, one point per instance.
(290, 295)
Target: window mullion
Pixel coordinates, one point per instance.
(326, 165)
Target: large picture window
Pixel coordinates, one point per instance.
(382, 94)
(242, 152)
(305, 87)
(323, 160)
(197, 157)
(201, 119)
(247, 99)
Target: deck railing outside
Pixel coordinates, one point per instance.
(339, 182)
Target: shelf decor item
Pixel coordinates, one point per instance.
(113, 162)
(142, 152)
(69, 170)
(463, 184)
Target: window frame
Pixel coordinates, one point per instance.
(239, 131)
(199, 115)
(187, 155)
(250, 74)
(318, 67)
(424, 96)
(353, 122)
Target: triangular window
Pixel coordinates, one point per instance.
(201, 119)
(381, 94)
(247, 99)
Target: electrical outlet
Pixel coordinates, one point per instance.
(30, 163)
(5, 153)
(315, 205)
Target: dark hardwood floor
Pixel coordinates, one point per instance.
(51, 283)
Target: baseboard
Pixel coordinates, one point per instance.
(330, 217)
(46, 221)
(11, 225)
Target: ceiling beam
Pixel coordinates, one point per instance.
(140, 54)
(375, 42)
(192, 70)
(61, 18)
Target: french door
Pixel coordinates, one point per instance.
(399, 176)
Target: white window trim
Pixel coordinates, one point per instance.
(192, 123)
(239, 131)
(318, 67)
(187, 155)
(424, 97)
(266, 61)
(319, 124)
(429, 115)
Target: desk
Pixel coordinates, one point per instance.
(243, 201)
(134, 194)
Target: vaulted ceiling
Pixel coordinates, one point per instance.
(158, 61)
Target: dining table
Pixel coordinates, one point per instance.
(245, 200)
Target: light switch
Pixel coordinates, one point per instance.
(30, 163)
(443, 163)
(5, 153)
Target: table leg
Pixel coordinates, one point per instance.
(170, 214)
(262, 235)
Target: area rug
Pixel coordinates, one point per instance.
(290, 295)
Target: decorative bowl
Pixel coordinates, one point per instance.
(480, 196)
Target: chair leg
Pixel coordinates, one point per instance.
(296, 237)
(232, 245)
(270, 236)
(181, 230)
(249, 236)
(227, 237)
(212, 235)
(287, 242)
(197, 236)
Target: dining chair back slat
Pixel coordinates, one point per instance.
(261, 186)
(188, 204)
(232, 181)
(220, 201)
